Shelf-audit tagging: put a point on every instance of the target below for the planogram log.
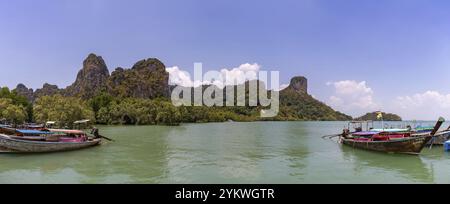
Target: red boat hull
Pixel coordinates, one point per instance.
(409, 145)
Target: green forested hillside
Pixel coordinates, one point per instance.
(386, 117)
(140, 96)
(301, 106)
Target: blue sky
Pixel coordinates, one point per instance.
(399, 48)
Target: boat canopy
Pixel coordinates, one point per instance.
(76, 132)
(4, 126)
(34, 132)
(81, 121)
(32, 125)
(50, 123)
(390, 130)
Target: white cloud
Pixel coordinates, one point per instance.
(352, 97)
(357, 98)
(423, 106)
(336, 101)
(352, 87)
(227, 76)
(241, 74)
(179, 77)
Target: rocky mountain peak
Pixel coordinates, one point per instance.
(146, 79)
(151, 64)
(47, 90)
(299, 84)
(21, 87)
(23, 90)
(94, 61)
(91, 79)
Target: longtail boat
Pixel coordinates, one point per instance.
(389, 142)
(15, 145)
(411, 145)
(39, 141)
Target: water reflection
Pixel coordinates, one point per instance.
(296, 147)
(412, 167)
(141, 154)
(211, 152)
(236, 153)
(126, 161)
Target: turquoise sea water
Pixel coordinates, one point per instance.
(257, 152)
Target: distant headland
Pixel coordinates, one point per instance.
(386, 117)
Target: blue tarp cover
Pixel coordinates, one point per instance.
(34, 132)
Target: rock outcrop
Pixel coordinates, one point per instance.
(146, 79)
(91, 79)
(297, 104)
(299, 84)
(22, 90)
(47, 90)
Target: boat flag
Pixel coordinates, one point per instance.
(379, 115)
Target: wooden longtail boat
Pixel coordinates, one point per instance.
(392, 143)
(47, 140)
(9, 144)
(411, 145)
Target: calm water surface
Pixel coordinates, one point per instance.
(259, 152)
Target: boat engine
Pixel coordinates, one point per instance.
(345, 133)
(95, 132)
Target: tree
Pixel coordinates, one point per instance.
(13, 113)
(168, 114)
(134, 111)
(65, 110)
(104, 116)
(18, 100)
(100, 101)
(5, 93)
